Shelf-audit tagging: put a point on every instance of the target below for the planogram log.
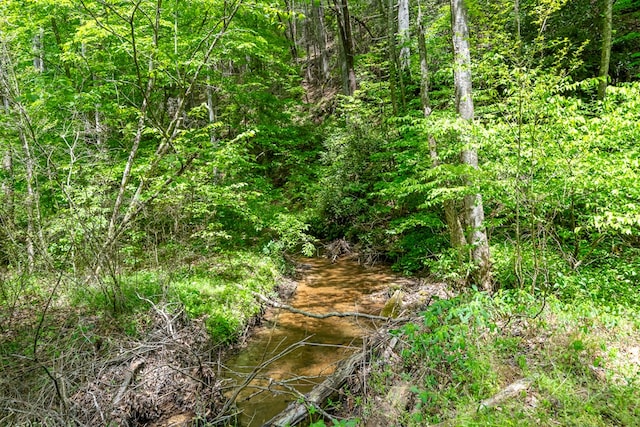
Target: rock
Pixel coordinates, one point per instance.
(393, 307)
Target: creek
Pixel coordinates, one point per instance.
(325, 287)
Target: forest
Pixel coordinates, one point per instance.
(166, 162)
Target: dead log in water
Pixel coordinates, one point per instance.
(298, 411)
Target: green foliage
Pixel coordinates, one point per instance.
(469, 347)
(292, 233)
(612, 282)
(336, 423)
(221, 294)
(133, 293)
(573, 182)
(442, 350)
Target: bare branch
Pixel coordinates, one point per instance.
(326, 315)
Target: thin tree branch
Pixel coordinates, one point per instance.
(327, 315)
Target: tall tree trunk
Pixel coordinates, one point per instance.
(23, 126)
(38, 51)
(30, 202)
(473, 208)
(403, 33)
(456, 233)
(291, 32)
(7, 185)
(7, 156)
(346, 38)
(318, 68)
(603, 72)
(211, 107)
(392, 56)
(322, 45)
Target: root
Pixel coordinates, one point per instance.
(337, 248)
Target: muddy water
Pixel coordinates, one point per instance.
(325, 287)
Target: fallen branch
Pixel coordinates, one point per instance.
(297, 411)
(131, 373)
(512, 390)
(327, 315)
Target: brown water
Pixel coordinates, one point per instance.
(342, 286)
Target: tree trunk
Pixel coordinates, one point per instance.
(403, 33)
(473, 208)
(31, 201)
(393, 56)
(456, 232)
(344, 28)
(316, 43)
(603, 72)
(291, 32)
(38, 51)
(322, 45)
(7, 185)
(7, 157)
(424, 68)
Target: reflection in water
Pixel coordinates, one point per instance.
(343, 286)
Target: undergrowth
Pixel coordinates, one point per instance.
(576, 343)
(53, 332)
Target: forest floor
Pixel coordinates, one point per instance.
(472, 360)
(462, 359)
(144, 351)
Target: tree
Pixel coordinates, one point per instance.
(473, 208)
(603, 72)
(344, 28)
(403, 33)
(318, 68)
(456, 233)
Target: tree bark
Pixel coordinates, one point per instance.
(316, 44)
(38, 51)
(473, 208)
(603, 72)
(7, 156)
(456, 233)
(393, 56)
(344, 28)
(403, 33)
(291, 32)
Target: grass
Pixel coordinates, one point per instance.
(222, 293)
(218, 290)
(583, 360)
(85, 323)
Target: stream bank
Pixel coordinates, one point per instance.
(289, 354)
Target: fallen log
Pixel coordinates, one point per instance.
(282, 306)
(298, 411)
(129, 375)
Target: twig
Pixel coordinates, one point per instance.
(255, 372)
(95, 402)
